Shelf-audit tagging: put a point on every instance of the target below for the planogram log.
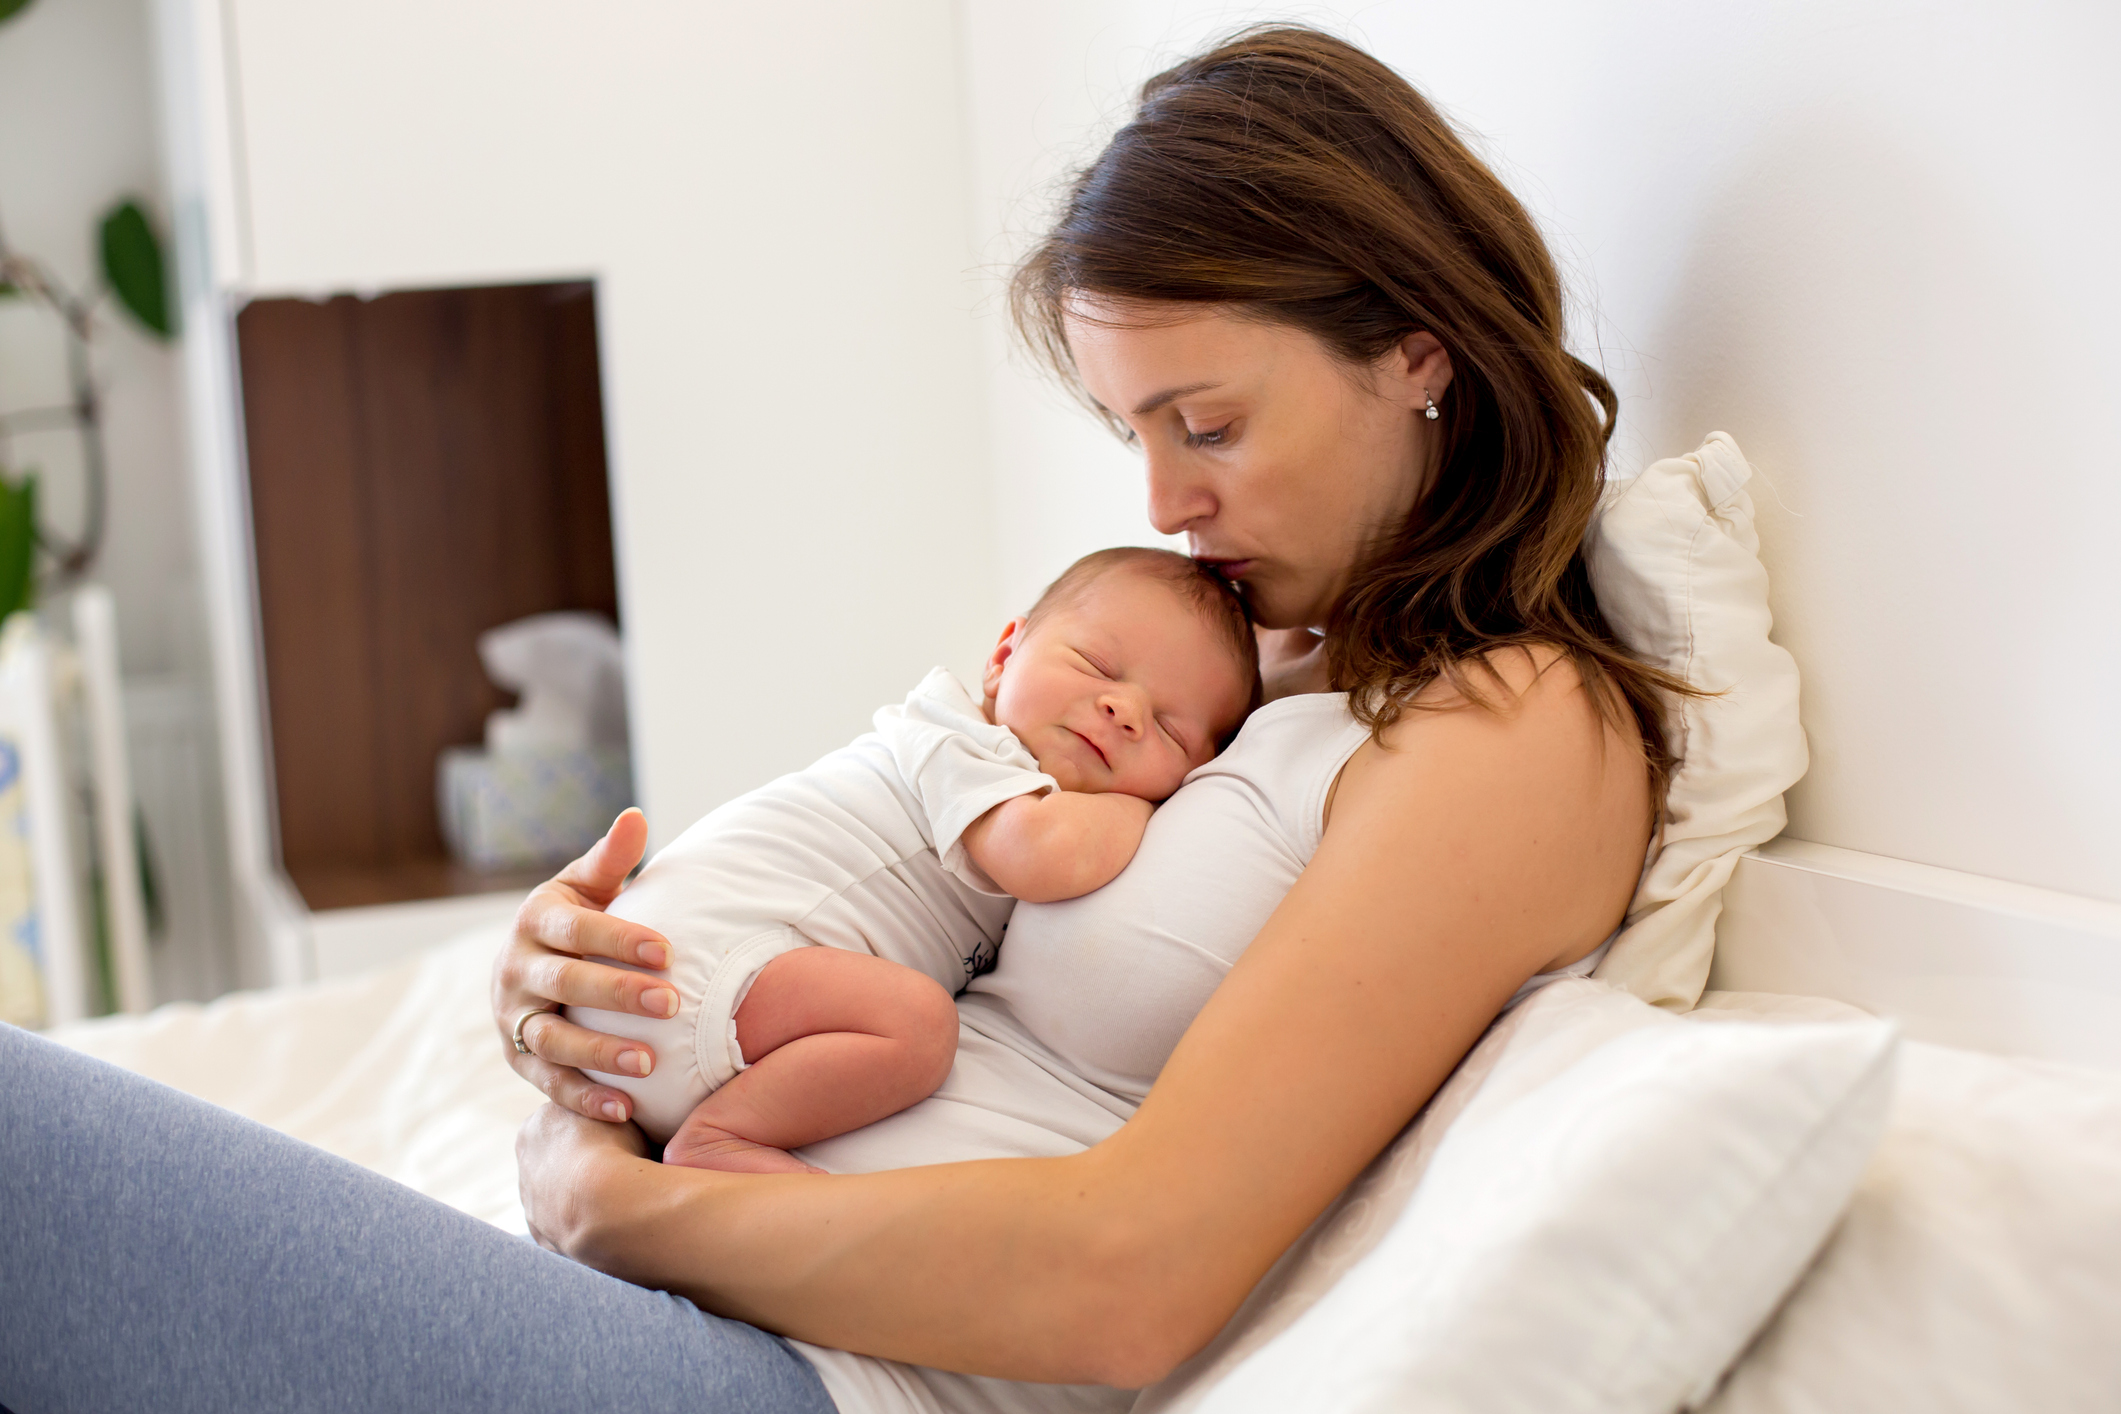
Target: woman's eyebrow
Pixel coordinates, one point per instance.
(1144, 409)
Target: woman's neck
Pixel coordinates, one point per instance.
(1292, 661)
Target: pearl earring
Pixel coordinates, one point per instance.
(1431, 414)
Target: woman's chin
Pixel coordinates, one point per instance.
(1270, 613)
(1273, 603)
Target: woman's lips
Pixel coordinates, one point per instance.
(1228, 569)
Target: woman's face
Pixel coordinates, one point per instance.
(1279, 462)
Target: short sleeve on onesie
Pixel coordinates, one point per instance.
(958, 765)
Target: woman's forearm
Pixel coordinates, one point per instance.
(1019, 1268)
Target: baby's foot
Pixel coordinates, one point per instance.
(702, 1146)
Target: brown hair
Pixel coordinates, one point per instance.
(1208, 592)
(1289, 175)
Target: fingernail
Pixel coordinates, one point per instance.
(661, 1000)
(634, 1062)
(653, 955)
(614, 1111)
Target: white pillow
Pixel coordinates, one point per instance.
(1675, 563)
(1609, 1203)
(1978, 1266)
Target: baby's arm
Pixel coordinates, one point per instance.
(1062, 844)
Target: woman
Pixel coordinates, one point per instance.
(1337, 342)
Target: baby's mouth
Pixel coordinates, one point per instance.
(1093, 746)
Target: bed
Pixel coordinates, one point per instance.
(1977, 1265)
(1634, 1194)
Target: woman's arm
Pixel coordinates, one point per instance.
(1473, 850)
(550, 960)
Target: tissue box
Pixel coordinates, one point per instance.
(529, 805)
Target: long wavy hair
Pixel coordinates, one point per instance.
(1290, 175)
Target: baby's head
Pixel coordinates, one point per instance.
(1132, 668)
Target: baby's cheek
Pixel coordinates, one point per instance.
(1167, 782)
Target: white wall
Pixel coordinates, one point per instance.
(1870, 241)
(772, 201)
(1874, 242)
(77, 106)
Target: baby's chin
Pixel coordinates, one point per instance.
(1071, 780)
(1069, 777)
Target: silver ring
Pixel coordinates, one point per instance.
(521, 1048)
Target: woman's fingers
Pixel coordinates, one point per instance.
(549, 962)
(556, 917)
(558, 1048)
(556, 1039)
(599, 875)
(570, 1089)
(574, 981)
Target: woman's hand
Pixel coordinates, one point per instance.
(560, 1159)
(549, 962)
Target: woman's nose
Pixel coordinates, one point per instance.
(1178, 495)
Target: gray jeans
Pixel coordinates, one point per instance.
(157, 1253)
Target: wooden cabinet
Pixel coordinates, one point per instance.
(423, 466)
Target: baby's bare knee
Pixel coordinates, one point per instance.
(929, 1017)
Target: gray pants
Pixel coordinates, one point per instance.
(157, 1253)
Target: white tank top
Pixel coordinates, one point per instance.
(1062, 1040)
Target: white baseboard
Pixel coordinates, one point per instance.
(1954, 958)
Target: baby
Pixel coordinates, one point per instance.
(820, 926)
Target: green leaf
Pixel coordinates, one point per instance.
(11, 8)
(132, 263)
(18, 542)
(150, 879)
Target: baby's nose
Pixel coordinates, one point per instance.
(1122, 712)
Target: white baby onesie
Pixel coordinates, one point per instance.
(862, 851)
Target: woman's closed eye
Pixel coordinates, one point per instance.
(1209, 437)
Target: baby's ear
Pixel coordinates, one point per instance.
(991, 676)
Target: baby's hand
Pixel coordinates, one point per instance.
(1044, 848)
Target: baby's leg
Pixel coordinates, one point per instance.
(832, 1040)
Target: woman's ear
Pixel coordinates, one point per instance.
(1416, 370)
(990, 680)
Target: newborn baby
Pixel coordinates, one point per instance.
(820, 926)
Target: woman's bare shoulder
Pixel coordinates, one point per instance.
(1502, 681)
(1531, 758)
(1521, 706)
